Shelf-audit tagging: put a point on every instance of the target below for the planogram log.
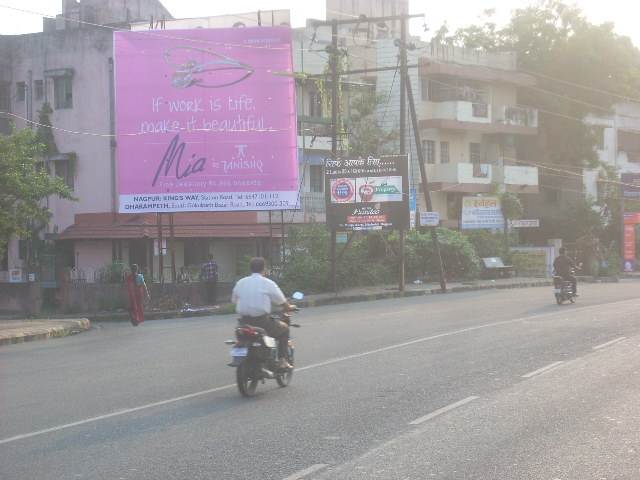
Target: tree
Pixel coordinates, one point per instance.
(555, 41)
(24, 183)
(512, 209)
(366, 136)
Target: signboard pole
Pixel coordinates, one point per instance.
(172, 247)
(160, 253)
(425, 183)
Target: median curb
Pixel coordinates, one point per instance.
(29, 331)
(227, 309)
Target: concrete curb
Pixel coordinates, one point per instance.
(318, 302)
(63, 329)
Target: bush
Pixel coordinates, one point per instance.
(487, 243)
(459, 257)
(111, 273)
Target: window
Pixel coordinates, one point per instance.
(475, 153)
(65, 171)
(316, 178)
(425, 87)
(39, 89)
(429, 149)
(444, 152)
(62, 92)
(21, 91)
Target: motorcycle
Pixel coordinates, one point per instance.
(255, 355)
(563, 290)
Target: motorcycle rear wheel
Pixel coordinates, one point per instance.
(246, 384)
(559, 299)
(284, 378)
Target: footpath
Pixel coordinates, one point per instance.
(18, 331)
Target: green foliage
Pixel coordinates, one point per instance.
(307, 266)
(45, 132)
(366, 137)
(487, 243)
(112, 273)
(511, 205)
(458, 255)
(577, 220)
(24, 183)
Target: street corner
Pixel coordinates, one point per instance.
(21, 331)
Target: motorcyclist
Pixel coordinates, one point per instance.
(254, 297)
(564, 267)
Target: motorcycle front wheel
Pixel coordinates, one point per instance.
(246, 383)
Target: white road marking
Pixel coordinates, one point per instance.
(308, 367)
(604, 345)
(443, 410)
(117, 413)
(542, 370)
(307, 471)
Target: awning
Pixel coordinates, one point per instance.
(107, 226)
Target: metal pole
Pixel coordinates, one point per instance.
(112, 139)
(282, 236)
(334, 134)
(425, 183)
(160, 253)
(270, 238)
(403, 133)
(172, 247)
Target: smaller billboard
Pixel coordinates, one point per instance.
(367, 193)
(429, 219)
(481, 213)
(630, 185)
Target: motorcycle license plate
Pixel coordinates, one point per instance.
(239, 352)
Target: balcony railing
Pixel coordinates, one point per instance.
(520, 116)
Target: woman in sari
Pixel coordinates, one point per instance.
(136, 288)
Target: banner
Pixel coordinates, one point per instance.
(481, 212)
(367, 193)
(206, 120)
(630, 185)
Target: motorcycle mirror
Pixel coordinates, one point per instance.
(297, 296)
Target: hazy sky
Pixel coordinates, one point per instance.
(455, 12)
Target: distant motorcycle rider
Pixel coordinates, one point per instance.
(254, 296)
(564, 267)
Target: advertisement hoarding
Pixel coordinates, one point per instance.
(429, 219)
(630, 185)
(206, 120)
(367, 193)
(481, 213)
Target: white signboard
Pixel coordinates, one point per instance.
(481, 213)
(429, 219)
(15, 275)
(532, 223)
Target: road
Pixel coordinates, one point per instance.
(477, 385)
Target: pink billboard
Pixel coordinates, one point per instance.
(206, 120)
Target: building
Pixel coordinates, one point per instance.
(618, 145)
(471, 126)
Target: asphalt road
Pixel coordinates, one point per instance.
(480, 385)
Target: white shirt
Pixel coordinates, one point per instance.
(255, 294)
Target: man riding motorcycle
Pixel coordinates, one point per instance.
(254, 296)
(564, 267)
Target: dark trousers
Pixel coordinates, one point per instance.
(211, 291)
(573, 280)
(274, 328)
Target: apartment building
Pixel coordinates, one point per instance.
(471, 127)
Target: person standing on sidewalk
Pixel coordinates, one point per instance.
(136, 289)
(209, 276)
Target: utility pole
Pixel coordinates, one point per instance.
(334, 58)
(403, 133)
(425, 182)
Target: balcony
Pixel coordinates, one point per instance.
(518, 179)
(462, 111)
(461, 177)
